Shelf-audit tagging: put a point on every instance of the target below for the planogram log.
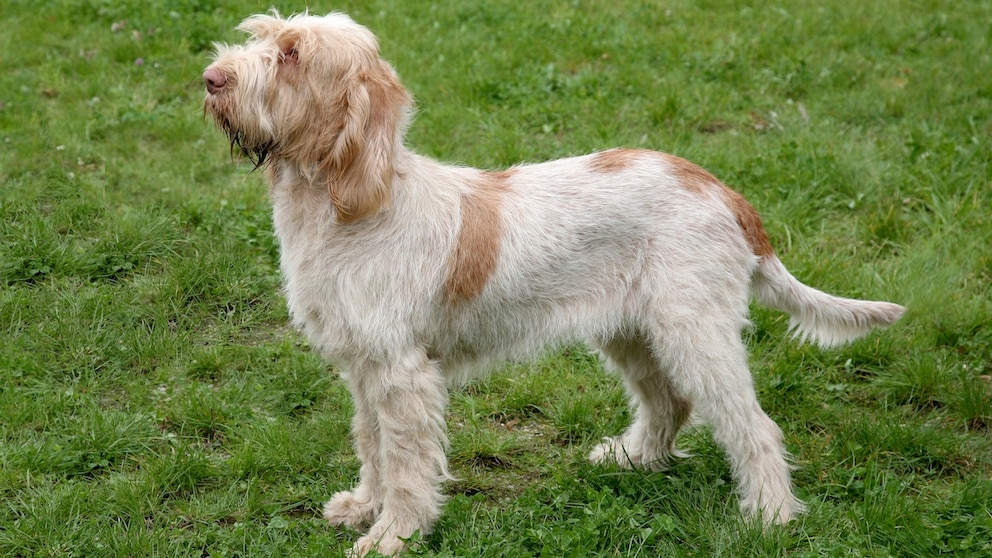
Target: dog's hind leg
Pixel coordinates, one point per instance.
(659, 412)
(708, 361)
(406, 400)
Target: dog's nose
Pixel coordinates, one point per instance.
(214, 79)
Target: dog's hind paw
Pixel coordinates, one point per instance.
(348, 509)
(612, 451)
(386, 547)
(615, 451)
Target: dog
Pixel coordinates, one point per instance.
(411, 276)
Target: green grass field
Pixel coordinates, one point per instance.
(154, 402)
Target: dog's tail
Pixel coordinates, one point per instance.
(816, 316)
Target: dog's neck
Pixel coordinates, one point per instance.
(306, 186)
(289, 177)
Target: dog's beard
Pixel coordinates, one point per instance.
(254, 149)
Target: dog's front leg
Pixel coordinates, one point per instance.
(358, 508)
(405, 401)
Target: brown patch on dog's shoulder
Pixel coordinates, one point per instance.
(615, 160)
(697, 179)
(476, 252)
(499, 179)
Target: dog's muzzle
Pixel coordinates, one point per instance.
(215, 80)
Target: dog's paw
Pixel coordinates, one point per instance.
(612, 452)
(370, 545)
(615, 451)
(773, 509)
(350, 510)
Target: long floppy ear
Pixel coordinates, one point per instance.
(360, 168)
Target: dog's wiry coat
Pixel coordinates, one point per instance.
(410, 275)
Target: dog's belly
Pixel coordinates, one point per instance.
(496, 330)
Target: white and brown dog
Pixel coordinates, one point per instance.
(410, 275)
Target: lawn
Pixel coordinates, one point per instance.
(154, 401)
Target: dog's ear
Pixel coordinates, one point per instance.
(360, 167)
(262, 25)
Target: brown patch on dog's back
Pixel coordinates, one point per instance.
(691, 176)
(616, 160)
(696, 179)
(476, 252)
(749, 221)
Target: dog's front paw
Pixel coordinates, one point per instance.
(354, 510)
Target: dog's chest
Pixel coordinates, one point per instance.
(302, 220)
(355, 288)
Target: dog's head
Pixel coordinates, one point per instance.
(314, 91)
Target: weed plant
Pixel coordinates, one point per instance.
(153, 401)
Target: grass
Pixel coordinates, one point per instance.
(153, 401)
